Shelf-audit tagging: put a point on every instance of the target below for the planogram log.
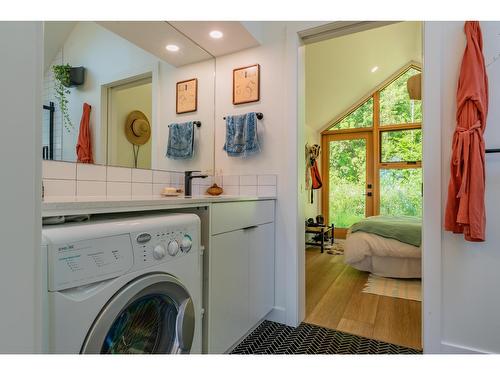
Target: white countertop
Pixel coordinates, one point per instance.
(56, 206)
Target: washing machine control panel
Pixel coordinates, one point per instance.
(84, 262)
(153, 247)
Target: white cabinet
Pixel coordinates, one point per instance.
(241, 271)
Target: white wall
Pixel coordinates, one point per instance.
(273, 132)
(470, 271)
(107, 58)
(20, 165)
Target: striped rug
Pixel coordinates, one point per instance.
(398, 288)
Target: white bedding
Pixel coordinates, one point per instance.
(382, 256)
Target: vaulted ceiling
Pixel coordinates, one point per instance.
(339, 70)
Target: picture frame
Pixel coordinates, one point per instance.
(186, 96)
(246, 84)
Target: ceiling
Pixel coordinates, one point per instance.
(338, 70)
(55, 34)
(192, 38)
(237, 35)
(154, 36)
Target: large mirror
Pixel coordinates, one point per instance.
(131, 94)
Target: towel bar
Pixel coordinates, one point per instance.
(259, 115)
(197, 123)
(492, 150)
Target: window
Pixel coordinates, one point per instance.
(395, 104)
(361, 117)
(401, 192)
(401, 146)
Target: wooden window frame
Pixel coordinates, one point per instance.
(376, 135)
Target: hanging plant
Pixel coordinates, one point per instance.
(62, 82)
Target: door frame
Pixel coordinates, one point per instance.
(366, 134)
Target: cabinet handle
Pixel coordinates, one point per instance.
(250, 227)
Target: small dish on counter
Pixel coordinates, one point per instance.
(171, 192)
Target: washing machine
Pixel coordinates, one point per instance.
(124, 285)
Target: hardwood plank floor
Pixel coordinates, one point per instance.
(334, 299)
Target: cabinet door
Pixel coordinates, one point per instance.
(261, 267)
(229, 306)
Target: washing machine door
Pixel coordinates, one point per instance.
(152, 314)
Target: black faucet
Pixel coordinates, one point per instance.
(187, 181)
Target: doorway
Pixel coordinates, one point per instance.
(124, 98)
(349, 175)
(370, 130)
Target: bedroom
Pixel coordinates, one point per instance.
(364, 147)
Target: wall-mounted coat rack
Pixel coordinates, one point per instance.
(259, 116)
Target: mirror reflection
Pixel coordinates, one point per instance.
(130, 94)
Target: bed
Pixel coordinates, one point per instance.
(386, 246)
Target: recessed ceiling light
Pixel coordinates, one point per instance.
(374, 69)
(216, 34)
(172, 47)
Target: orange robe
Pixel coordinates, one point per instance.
(84, 144)
(465, 211)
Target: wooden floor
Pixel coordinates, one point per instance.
(334, 299)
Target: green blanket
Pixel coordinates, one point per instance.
(406, 229)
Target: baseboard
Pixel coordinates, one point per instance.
(277, 314)
(449, 348)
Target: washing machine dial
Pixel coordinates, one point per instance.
(159, 252)
(173, 248)
(186, 243)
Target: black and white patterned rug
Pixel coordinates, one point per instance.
(274, 338)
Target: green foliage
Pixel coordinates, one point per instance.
(401, 192)
(362, 117)
(400, 189)
(401, 145)
(347, 181)
(62, 82)
(395, 104)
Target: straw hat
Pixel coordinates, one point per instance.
(137, 128)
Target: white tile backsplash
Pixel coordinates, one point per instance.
(58, 170)
(90, 188)
(142, 175)
(269, 179)
(231, 190)
(248, 191)
(119, 174)
(90, 172)
(59, 188)
(161, 177)
(140, 189)
(230, 180)
(246, 180)
(118, 189)
(67, 179)
(266, 191)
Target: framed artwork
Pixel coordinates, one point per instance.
(187, 96)
(246, 84)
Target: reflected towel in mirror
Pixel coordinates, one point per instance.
(180, 140)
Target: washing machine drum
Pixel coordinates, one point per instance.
(152, 314)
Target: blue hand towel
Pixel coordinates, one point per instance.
(180, 140)
(241, 135)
